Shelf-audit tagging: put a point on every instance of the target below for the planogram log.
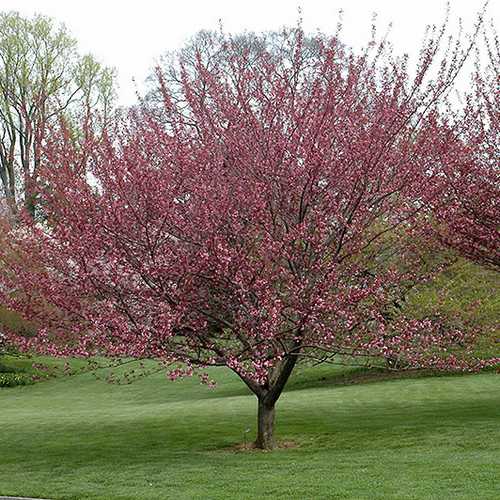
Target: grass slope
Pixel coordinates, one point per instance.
(425, 438)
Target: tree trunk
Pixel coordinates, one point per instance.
(29, 195)
(265, 426)
(267, 396)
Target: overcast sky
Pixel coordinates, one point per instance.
(131, 34)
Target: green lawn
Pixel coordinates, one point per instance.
(422, 438)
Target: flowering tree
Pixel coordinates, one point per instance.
(470, 218)
(275, 213)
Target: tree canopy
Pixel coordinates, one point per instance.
(273, 212)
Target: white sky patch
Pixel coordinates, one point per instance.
(132, 34)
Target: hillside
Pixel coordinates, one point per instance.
(77, 438)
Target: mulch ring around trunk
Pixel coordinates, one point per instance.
(242, 447)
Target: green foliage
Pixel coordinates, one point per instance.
(14, 379)
(466, 293)
(12, 374)
(43, 79)
(12, 321)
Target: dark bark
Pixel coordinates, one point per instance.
(267, 398)
(265, 426)
(8, 183)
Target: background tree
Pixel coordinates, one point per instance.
(209, 48)
(255, 224)
(42, 79)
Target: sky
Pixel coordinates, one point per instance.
(131, 35)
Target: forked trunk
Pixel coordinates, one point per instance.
(267, 396)
(265, 427)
